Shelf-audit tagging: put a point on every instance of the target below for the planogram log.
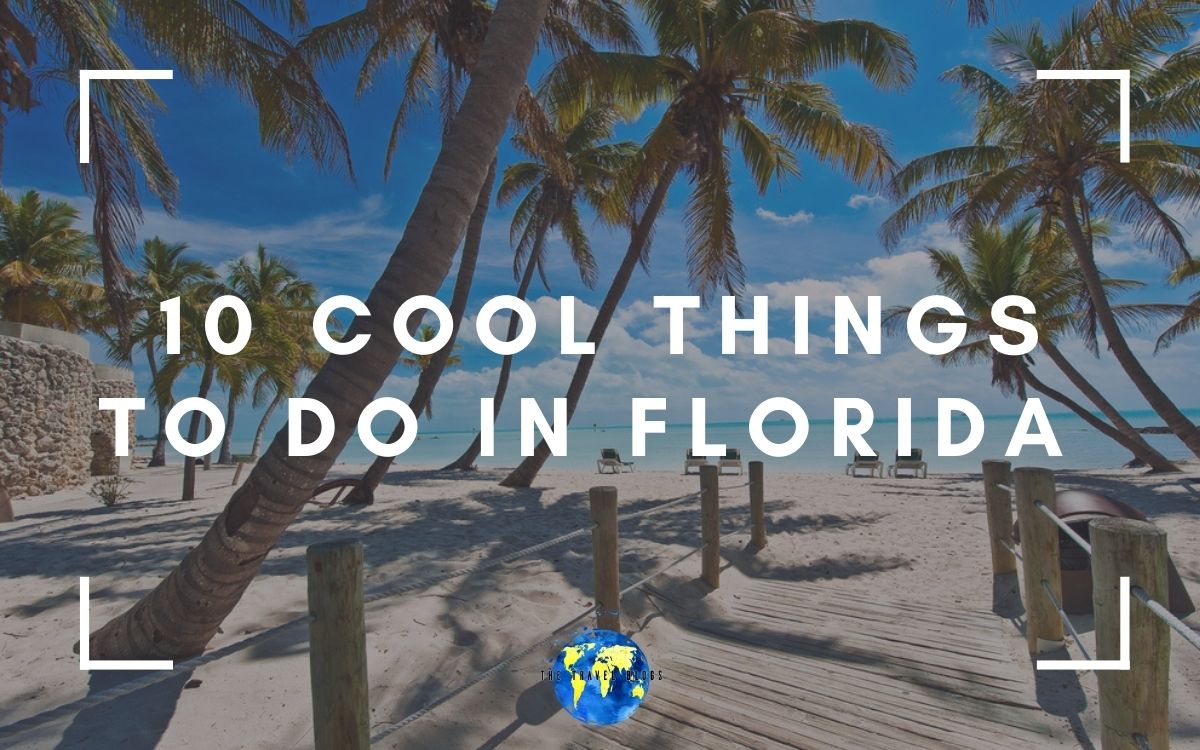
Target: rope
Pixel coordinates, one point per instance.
(1062, 525)
(152, 678)
(657, 508)
(1164, 614)
(394, 727)
(1004, 487)
(386, 592)
(1065, 618)
(1009, 546)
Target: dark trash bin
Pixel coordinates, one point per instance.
(1077, 508)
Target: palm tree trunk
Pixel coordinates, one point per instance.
(226, 455)
(1145, 453)
(467, 459)
(1175, 419)
(262, 423)
(527, 471)
(159, 456)
(189, 463)
(179, 617)
(1081, 411)
(364, 493)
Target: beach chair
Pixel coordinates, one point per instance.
(691, 461)
(610, 462)
(913, 463)
(860, 462)
(731, 460)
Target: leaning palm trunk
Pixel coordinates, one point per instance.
(527, 471)
(226, 455)
(159, 456)
(467, 459)
(1143, 452)
(179, 617)
(189, 463)
(1175, 419)
(1080, 410)
(364, 493)
(256, 446)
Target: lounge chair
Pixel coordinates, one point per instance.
(731, 460)
(691, 461)
(912, 462)
(860, 462)
(611, 462)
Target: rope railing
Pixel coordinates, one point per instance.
(393, 727)
(1066, 619)
(1132, 699)
(377, 594)
(608, 593)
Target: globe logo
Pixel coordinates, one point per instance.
(601, 677)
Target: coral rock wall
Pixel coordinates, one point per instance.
(49, 421)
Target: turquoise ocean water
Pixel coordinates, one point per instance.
(1082, 447)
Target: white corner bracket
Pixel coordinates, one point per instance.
(1100, 75)
(1098, 665)
(86, 664)
(85, 99)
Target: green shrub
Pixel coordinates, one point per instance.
(111, 490)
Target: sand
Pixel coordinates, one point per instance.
(880, 537)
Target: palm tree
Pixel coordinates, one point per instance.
(1000, 262)
(283, 382)
(1053, 144)
(182, 613)
(164, 273)
(221, 41)
(421, 362)
(281, 306)
(441, 40)
(718, 66)
(46, 265)
(569, 161)
(1189, 318)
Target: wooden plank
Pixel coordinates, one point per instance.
(869, 710)
(895, 692)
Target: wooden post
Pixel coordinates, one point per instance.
(1040, 558)
(999, 515)
(758, 532)
(338, 647)
(710, 526)
(1133, 701)
(605, 564)
(6, 511)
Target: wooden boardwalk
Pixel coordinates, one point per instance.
(800, 665)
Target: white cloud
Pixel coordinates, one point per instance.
(800, 217)
(862, 200)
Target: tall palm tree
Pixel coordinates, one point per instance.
(282, 383)
(222, 41)
(1053, 144)
(281, 306)
(179, 617)
(719, 66)
(421, 362)
(46, 265)
(569, 163)
(440, 42)
(1189, 318)
(163, 273)
(999, 262)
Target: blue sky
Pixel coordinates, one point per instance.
(814, 235)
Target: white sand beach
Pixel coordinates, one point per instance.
(878, 538)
